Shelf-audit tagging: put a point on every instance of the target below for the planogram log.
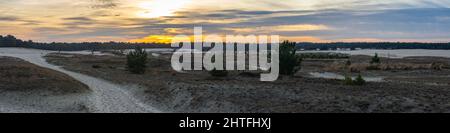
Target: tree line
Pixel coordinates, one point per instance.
(372, 45)
(11, 41)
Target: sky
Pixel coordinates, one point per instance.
(160, 20)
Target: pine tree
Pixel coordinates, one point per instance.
(290, 63)
(359, 80)
(375, 59)
(137, 61)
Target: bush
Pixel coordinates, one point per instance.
(348, 63)
(96, 66)
(137, 61)
(348, 80)
(359, 80)
(437, 66)
(218, 73)
(375, 59)
(290, 63)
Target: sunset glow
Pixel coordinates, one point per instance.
(159, 8)
(158, 20)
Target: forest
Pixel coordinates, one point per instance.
(11, 41)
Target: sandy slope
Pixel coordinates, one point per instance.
(106, 97)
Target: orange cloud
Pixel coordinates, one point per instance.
(154, 39)
(159, 39)
(168, 39)
(177, 31)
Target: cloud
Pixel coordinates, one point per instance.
(154, 39)
(319, 26)
(8, 18)
(78, 19)
(280, 28)
(76, 22)
(102, 4)
(303, 39)
(315, 20)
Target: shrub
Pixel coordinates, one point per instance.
(290, 63)
(348, 80)
(96, 66)
(359, 80)
(348, 63)
(218, 73)
(375, 59)
(137, 61)
(437, 66)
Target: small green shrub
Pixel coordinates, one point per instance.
(348, 63)
(137, 61)
(359, 80)
(348, 80)
(375, 59)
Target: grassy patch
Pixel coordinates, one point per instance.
(19, 75)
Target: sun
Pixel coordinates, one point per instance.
(159, 8)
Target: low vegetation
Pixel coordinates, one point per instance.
(96, 66)
(348, 80)
(356, 67)
(437, 66)
(375, 59)
(218, 73)
(324, 56)
(348, 63)
(357, 81)
(192, 93)
(19, 75)
(137, 61)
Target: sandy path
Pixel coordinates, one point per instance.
(106, 98)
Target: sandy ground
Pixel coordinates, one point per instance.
(170, 91)
(162, 90)
(413, 69)
(106, 97)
